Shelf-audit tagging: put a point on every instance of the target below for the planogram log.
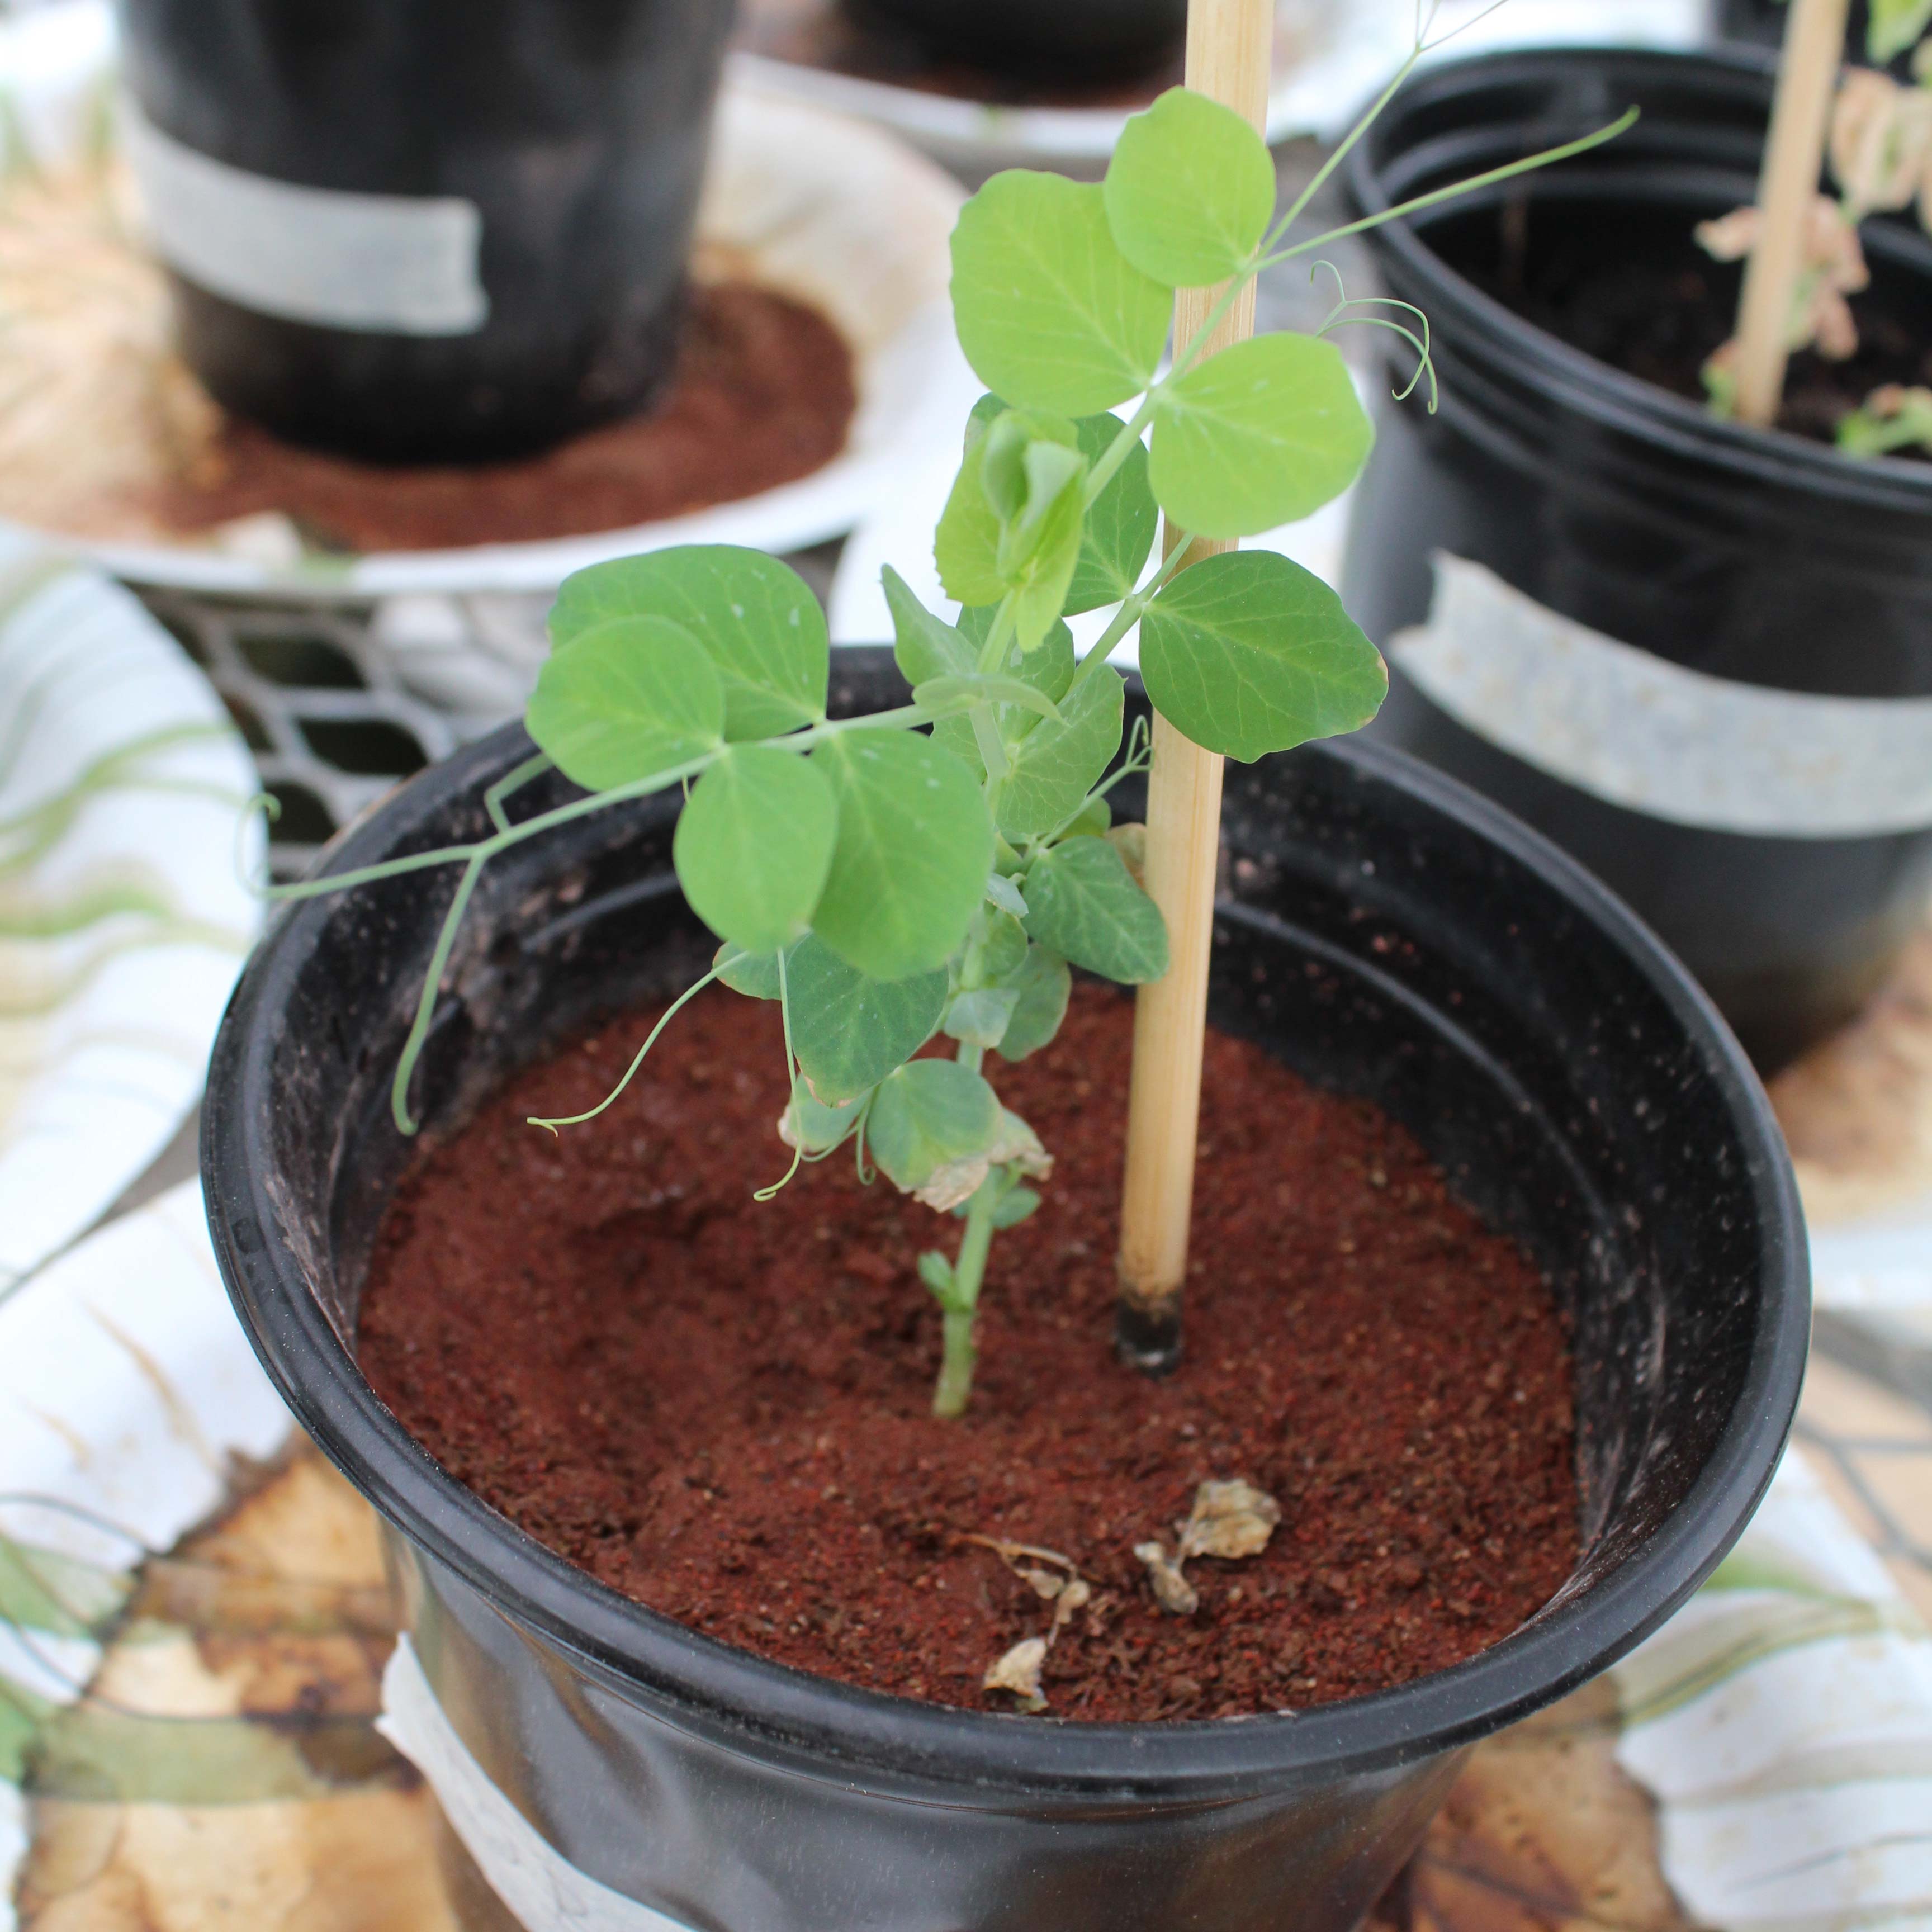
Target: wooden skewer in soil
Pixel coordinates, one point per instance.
(1814, 44)
(1229, 47)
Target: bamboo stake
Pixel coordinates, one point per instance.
(1814, 45)
(1230, 48)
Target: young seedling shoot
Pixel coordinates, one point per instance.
(1802, 248)
(938, 871)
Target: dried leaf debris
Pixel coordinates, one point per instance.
(1230, 1520)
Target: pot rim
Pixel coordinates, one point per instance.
(767, 1708)
(1608, 395)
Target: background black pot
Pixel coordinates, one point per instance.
(1075, 37)
(1759, 559)
(522, 276)
(1391, 934)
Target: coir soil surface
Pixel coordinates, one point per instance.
(722, 1408)
(763, 394)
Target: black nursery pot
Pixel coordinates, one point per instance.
(1389, 935)
(1077, 38)
(1759, 559)
(425, 230)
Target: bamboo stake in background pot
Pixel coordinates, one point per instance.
(1814, 43)
(1228, 46)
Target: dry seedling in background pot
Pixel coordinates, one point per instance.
(939, 869)
(1804, 254)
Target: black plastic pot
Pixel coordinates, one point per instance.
(1761, 23)
(1391, 934)
(1756, 558)
(497, 258)
(1076, 38)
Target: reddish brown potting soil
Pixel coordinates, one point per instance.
(1662, 320)
(722, 1409)
(763, 394)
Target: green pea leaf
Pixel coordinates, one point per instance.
(1001, 947)
(1050, 313)
(1893, 25)
(1249, 653)
(928, 1115)
(925, 646)
(980, 1018)
(943, 696)
(1095, 817)
(1189, 191)
(1041, 581)
(1012, 470)
(1261, 434)
(754, 843)
(1016, 1204)
(915, 845)
(1044, 986)
(814, 1128)
(756, 619)
(966, 545)
(1060, 760)
(753, 974)
(1121, 523)
(1049, 669)
(1082, 904)
(625, 699)
(849, 1031)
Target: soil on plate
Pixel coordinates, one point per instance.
(722, 1408)
(1654, 306)
(763, 394)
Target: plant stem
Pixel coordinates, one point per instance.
(1814, 43)
(962, 1307)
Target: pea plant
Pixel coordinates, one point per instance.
(935, 872)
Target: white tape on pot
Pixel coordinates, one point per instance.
(389, 263)
(1639, 731)
(537, 1883)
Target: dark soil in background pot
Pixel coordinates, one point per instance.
(763, 394)
(1635, 291)
(722, 1408)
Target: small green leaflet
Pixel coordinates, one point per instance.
(1049, 669)
(1050, 313)
(754, 843)
(849, 1032)
(1082, 904)
(1044, 986)
(753, 974)
(1249, 653)
(757, 618)
(1016, 1204)
(1029, 454)
(625, 700)
(1095, 815)
(1059, 761)
(915, 845)
(1262, 434)
(943, 696)
(1189, 191)
(928, 1115)
(1121, 522)
(1001, 946)
(814, 1128)
(1042, 580)
(925, 646)
(966, 545)
(1893, 25)
(981, 1017)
